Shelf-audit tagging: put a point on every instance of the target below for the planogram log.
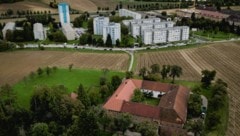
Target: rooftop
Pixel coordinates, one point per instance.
(172, 106)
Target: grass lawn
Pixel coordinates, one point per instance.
(216, 36)
(151, 101)
(89, 78)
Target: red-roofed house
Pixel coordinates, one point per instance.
(172, 108)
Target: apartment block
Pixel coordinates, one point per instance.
(63, 10)
(129, 13)
(99, 23)
(39, 32)
(114, 30)
(9, 26)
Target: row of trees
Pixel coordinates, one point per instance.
(209, 25)
(20, 13)
(154, 73)
(5, 46)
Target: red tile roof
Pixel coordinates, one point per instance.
(140, 109)
(172, 106)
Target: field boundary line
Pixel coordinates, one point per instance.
(190, 61)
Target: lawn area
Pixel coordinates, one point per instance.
(151, 101)
(216, 36)
(89, 78)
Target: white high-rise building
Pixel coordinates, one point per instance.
(68, 31)
(129, 13)
(9, 26)
(99, 23)
(39, 32)
(147, 36)
(63, 10)
(185, 33)
(160, 35)
(114, 30)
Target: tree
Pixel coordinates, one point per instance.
(122, 122)
(124, 29)
(82, 96)
(175, 71)
(213, 119)
(194, 105)
(9, 12)
(48, 70)
(9, 35)
(83, 39)
(100, 42)
(85, 125)
(116, 81)
(164, 13)
(143, 72)
(165, 71)
(28, 31)
(155, 68)
(58, 36)
(104, 91)
(193, 16)
(118, 43)
(40, 129)
(129, 74)
(207, 77)
(90, 25)
(197, 127)
(109, 41)
(138, 96)
(147, 128)
(39, 71)
(70, 66)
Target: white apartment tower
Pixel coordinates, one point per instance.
(9, 26)
(114, 30)
(63, 10)
(99, 23)
(39, 32)
(129, 13)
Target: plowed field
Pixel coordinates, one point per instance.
(222, 57)
(16, 65)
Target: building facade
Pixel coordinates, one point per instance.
(10, 26)
(163, 35)
(114, 30)
(68, 31)
(63, 10)
(99, 23)
(39, 32)
(129, 13)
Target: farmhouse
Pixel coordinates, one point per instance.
(170, 112)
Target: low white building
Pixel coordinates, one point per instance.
(141, 21)
(68, 31)
(9, 26)
(163, 35)
(39, 31)
(114, 30)
(99, 23)
(129, 13)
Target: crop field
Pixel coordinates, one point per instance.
(16, 65)
(222, 57)
(27, 5)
